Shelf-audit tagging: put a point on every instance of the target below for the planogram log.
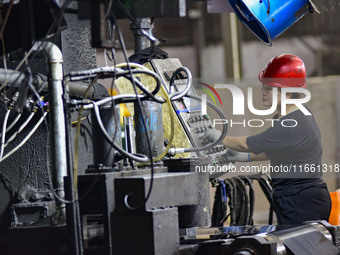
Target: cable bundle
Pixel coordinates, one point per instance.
(235, 198)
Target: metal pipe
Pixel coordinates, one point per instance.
(15, 79)
(141, 41)
(57, 117)
(59, 145)
(11, 77)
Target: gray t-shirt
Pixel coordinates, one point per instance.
(293, 145)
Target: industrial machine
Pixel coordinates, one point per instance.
(76, 180)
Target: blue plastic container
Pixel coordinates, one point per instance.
(267, 19)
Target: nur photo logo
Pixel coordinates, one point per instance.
(204, 87)
(240, 100)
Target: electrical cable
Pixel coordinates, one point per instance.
(127, 97)
(106, 135)
(178, 95)
(220, 206)
(30, 85)
(248, 182)
(3, 134)
(136, 157)
(10, 126)
(105, 56)
(122, 98)
(117, 119)
(267, 183)
(241, 201)
(146, 91)
(168, 100)
(243, 211)
(217, 211)
(117, 72)
(210, 145)
(109, 6)
(18, 116)
(238, 200)
(74, 123)
(142, 69)
(231, 194)
(267, 190)
(20, 128)
(28, 136)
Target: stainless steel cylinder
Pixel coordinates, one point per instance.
(151, 113)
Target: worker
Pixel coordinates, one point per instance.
(294, 150)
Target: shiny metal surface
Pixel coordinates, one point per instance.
(280, 247)
(57, 115)
(323, 230)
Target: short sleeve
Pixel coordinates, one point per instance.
(273, 139)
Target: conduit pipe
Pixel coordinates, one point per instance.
(57, 117)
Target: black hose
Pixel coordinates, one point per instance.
(179, 95)
(139, 84)
(136, 157)
(232, 200)
(267, 190)
(267, 183)
(244, 201)
(217, 213)
(145, 90)
(248, 182)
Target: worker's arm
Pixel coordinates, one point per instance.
(240, 144)
(239, 150)
(236, 143)
(258, 157)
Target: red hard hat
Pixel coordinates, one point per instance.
(285, 70)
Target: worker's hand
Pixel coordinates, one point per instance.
(236, 156)
(211, 135)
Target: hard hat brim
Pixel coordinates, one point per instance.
(283, 82)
